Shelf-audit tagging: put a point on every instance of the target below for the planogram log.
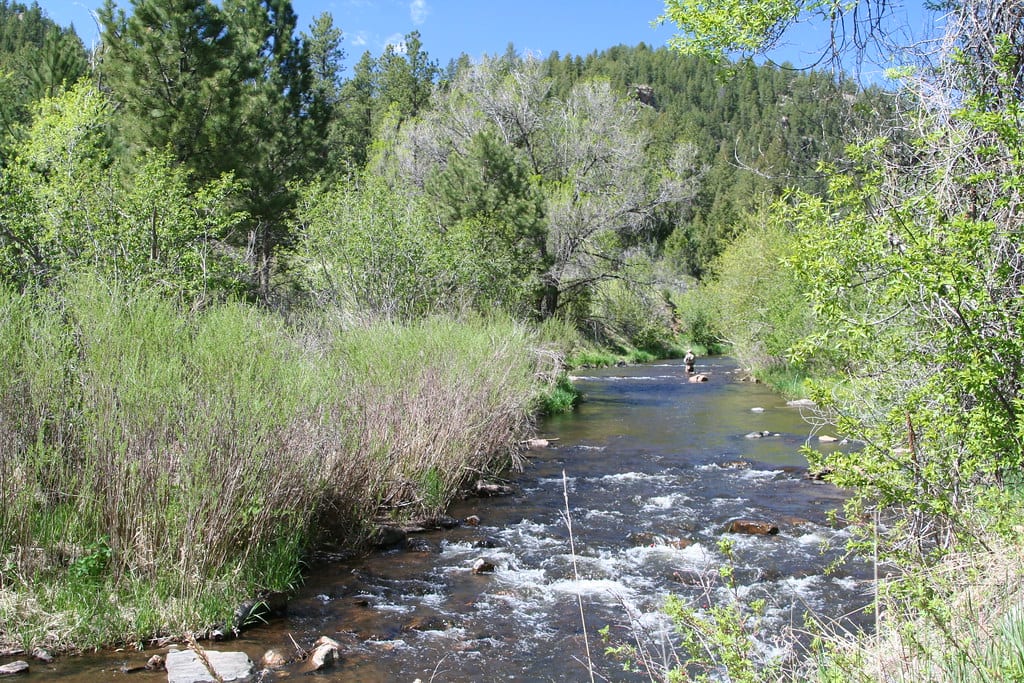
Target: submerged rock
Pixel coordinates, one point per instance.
(186, 666)
(427, 623)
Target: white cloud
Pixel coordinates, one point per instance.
(418, 11)
(359, 39)
(396, 41)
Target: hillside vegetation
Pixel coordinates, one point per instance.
(242, 286)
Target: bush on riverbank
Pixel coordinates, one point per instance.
(161, 465)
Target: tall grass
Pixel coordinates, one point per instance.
(961, 622)
(160, 465)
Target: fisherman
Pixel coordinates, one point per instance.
(688, 360)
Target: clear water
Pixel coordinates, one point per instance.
(648, 460)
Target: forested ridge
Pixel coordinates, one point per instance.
(245, 276)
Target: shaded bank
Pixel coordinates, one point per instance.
(161, 464)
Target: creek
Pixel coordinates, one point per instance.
(653, 469)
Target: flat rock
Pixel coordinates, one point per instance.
(184, 666)
(18, 667)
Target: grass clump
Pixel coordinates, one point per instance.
(160, 465)
(961, 621)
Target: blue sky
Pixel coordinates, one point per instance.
(476, 27)
(450, 27)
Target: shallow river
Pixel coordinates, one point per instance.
(654, 468)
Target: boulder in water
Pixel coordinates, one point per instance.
(482, 566)
(752, 527)
(326, 651)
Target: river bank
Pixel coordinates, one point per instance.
(655, 470)
(163, 465)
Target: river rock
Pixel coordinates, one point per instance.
(326, 651)
(645, 539)
(419, 545)
(388, 537)
(273, 659)
(758, 435)
(537, 443)
(427, 623)
(820, 474)
(185, 666)
(751, 526)
(757, 409)
(699, 377)
(801, 403)
(482, 566)
(472, 520)
(827, 438)
(485, 489)
(738, 464)
(42, 655)
(18, 667)
(155, 663)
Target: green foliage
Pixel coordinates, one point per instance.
(37, 59)
(716, 29)
(225, 89)
(756, 133)
(913, 272)
(67, 204)
(491, 209)
(697, 316)
(562, 397)
(370, 248)
(760, 305)
(168, 463)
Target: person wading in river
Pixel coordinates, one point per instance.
(688, 360)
